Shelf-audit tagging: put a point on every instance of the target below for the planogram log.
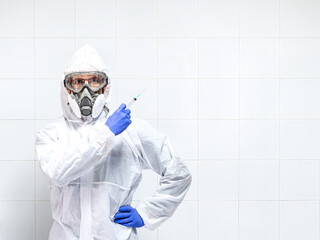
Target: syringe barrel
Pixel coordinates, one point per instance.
(130, 103)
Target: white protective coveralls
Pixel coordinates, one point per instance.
(92, 172)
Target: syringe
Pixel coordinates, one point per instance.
(134, 99)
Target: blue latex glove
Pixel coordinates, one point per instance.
(119, 120)
(128, 216)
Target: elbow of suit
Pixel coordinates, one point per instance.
(188, 179)
(56, 178)
(59, 181)
(186, 173)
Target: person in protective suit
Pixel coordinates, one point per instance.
(94, 161)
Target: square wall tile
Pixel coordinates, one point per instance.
(16, 180)
(259, 58)
(106, 47)
(182, 225)
(218, 220)
(55, 18)
(47, 98)
(300, 57)
(146, 106)
(259, 139)
(21, 106)
(299, 139)
(299, 180)
(218, 139)
(218, 180)
(178, 58)
(95, 20)
(258, 180)
(178, 18)
(184, 136)
(17, 220)
(42, 184)
(299, 220)
(218, 58)
(259, 98)
(259, 18)
(218, 18)
(137, 58)
(11, 16)
(218, 98)
(300, 98)
(300, 18)
(16, 53)
(44, 220)
(17, 135)
(259, 220)
(178, 98)
(52, 56)
(136, 18)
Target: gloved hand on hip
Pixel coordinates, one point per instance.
(119, 120)
(128, 216)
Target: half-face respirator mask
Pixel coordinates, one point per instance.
(86, 90)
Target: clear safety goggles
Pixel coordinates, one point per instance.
(77, 81)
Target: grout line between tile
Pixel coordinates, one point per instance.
(239, 94)
(279, 109)
(115, 37)
(157, 74)
(186, 37)
(194, 160)
(75, 24)
(34, 120)
(279, 114)
(316, 200)
(198, 122)
(181, 119)
(173, 78)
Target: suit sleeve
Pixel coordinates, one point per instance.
(63, 163)
(175, 180)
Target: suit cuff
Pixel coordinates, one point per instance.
(146, 216)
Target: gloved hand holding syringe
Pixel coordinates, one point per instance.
(120, 119)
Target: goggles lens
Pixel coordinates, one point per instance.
(76, 81)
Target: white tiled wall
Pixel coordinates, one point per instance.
(235, 84)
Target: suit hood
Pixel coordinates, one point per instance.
(85, 58)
